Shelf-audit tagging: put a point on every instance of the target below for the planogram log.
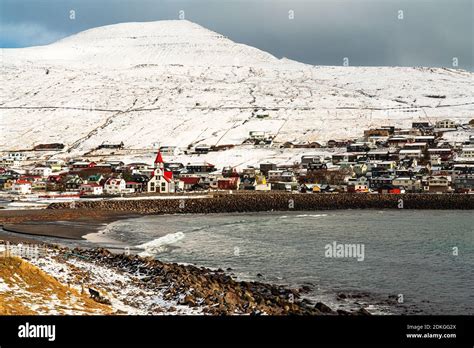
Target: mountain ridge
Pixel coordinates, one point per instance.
(209, 92)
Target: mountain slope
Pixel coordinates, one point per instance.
(176, 83)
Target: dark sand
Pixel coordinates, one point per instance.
(64, 223)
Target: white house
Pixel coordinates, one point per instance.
(275, 175)
(21, 187)
(91, 189)
(17, 156)
(446, 124)
(168, 150)
(410, 154)
(257, 135)
(468, 152)
(115, 186)
(41, 171)
(9, 162)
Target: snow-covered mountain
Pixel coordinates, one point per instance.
(177, 83)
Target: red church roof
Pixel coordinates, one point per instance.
(168, 175)
(159, 158)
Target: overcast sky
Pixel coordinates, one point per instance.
(367, 32)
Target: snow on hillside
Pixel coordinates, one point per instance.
(176, 83)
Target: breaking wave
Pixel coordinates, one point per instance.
(160, 245)
(311, 215)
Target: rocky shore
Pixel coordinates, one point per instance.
(212, 290)
(254, 202)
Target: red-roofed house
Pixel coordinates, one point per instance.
(115, 186)
(91, 189)
(21, 187)
(187, 183)
(228, 183)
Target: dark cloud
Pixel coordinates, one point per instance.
(368, 32)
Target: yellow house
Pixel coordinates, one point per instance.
(56, 167)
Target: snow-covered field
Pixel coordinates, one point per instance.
(177, 83)
(63, 287)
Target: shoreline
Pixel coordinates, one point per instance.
(70, 224)
(144, 286)
(74, 222)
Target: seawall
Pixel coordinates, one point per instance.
(254, 202)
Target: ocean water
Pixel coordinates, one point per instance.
(413, 262)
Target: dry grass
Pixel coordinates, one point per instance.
(25, 289)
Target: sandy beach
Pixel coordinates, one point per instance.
(51, 223)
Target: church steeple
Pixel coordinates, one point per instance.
(159, 161)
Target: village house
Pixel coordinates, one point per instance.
(301, 145)
(446, 124)
(202, 149)
(91, 189)
(203, 167)
(379, 132)
(21, 187)
(464, 182)
(10, 162)
(210, 180)
(56, 165)
(358, 185)
(168, 150)
(231, 183)
(115, 165)
(135, 187)
(389, 189)
(266, 167)
(424, 126)
(275, 175)
(429, 139)
(360, 169)
(317, 166)
(408, 184)
(111, 145)
(407, 154)
(17, 156)
(307, 160)
(81, 165)
(380, 181)
(415, 146)
(6, 183)
(41, 171)
(467, 152)
(285, 186)
(137, 167)
(359, 147)
(397, 141)
(437, 184)
(95, 178)
(188, 183)
(49, 147)
(73, 183)
(261, 183)
(115, 186)
(249, 172)
(175, 167)
(379, 155)
(442, 153)
(257, 135)
(384, 165)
